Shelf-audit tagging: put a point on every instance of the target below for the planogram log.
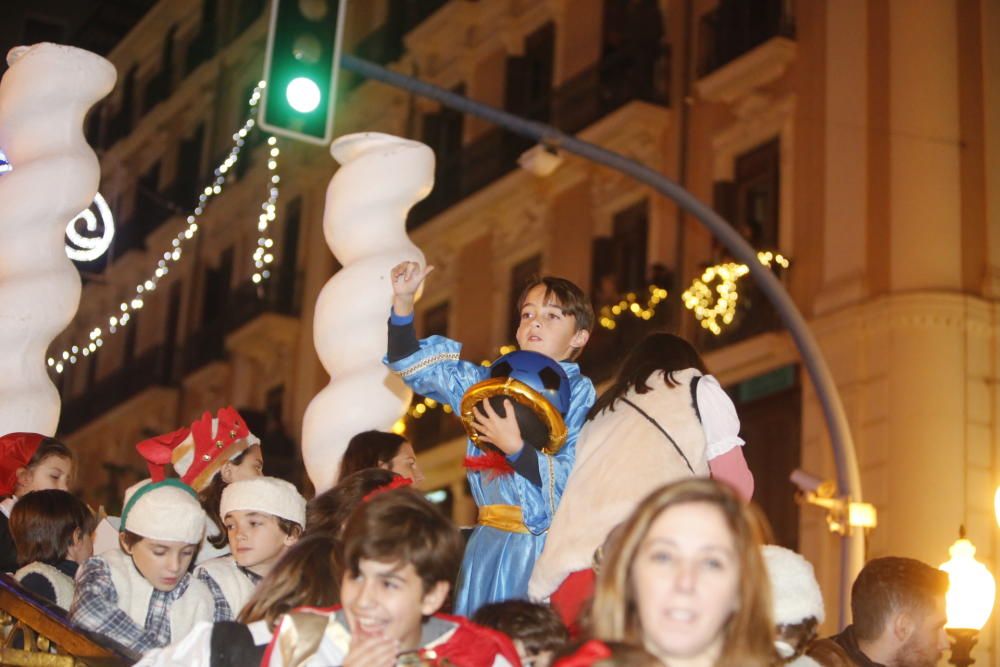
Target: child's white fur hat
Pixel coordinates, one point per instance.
(794, 590)
(167, 510)
(264, 494)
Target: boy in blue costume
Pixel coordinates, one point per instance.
(517, 492)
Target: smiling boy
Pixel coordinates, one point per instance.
(517, 496)
(401, 555)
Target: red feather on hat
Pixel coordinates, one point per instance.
(158, 450)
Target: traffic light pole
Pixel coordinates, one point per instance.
(848, 475)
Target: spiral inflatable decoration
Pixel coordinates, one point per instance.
(380, 178)
(44, 96)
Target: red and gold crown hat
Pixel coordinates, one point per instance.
(198, 453)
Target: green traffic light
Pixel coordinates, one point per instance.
(303, 94)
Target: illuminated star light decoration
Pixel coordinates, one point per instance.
(70, 355)
(710, 306)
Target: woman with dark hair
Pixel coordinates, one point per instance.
(378, 449)
(327, 513)
(662, 419)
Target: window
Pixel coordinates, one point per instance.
(619, 261)
(215, 288)
(529, 77)
(131, 336)
(750, 201)
(159, 85)
(172, 324)
(187, 181)
(288, 296)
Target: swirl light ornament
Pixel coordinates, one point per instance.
(82, 248)
(44, 96)
(381, 177)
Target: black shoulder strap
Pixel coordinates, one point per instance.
(661, 430)
(694, 396)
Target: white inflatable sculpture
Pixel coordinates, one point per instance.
(44, 96)
(381, 177)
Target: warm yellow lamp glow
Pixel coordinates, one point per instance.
(972, 589)
(996, 505)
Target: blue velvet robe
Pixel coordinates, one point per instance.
(497, 563)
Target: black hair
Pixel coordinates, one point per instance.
(656, 352)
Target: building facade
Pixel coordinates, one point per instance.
(858, 139)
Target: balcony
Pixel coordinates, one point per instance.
(577, 104)
(150, 369)
(248, 302)
(737, 27)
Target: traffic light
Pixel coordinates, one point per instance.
(300, 67)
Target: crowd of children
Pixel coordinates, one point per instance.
(633, 555)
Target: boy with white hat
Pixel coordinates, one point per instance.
(263, 517)
(143, 596)
(798, 603)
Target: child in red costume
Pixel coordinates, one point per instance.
(401, 555)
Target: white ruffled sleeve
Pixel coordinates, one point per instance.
(718, 418)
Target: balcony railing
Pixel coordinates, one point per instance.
(736, 27)
(36, 632)
(150, 369)
(754, 316)
(583, 100)
(246, 302)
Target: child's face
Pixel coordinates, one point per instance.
(256, 540)
(404, 463)
(388, 601)
(162, 563)
(251, 467)
(544, 328)
(528, 659)
(81, 548)
(52, 472)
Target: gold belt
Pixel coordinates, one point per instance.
(502, 517)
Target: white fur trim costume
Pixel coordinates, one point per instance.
(235, 584)
(621, 457)
(61, 583)
(166, 512)
(135, 592)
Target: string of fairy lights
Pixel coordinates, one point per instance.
(262, 258)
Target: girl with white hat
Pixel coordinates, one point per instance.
(263, 518)
(143, 595)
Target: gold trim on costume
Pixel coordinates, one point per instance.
(502, 517)
(518, 392)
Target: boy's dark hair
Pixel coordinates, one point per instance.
(42, 524)
(50, 447)
(289, 527)
(537, 625)
(571, 299)
(369, 449)
(887, 585)
(403, 526)
(328, 512)
(656, 352)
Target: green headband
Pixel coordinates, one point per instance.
(170, 482)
